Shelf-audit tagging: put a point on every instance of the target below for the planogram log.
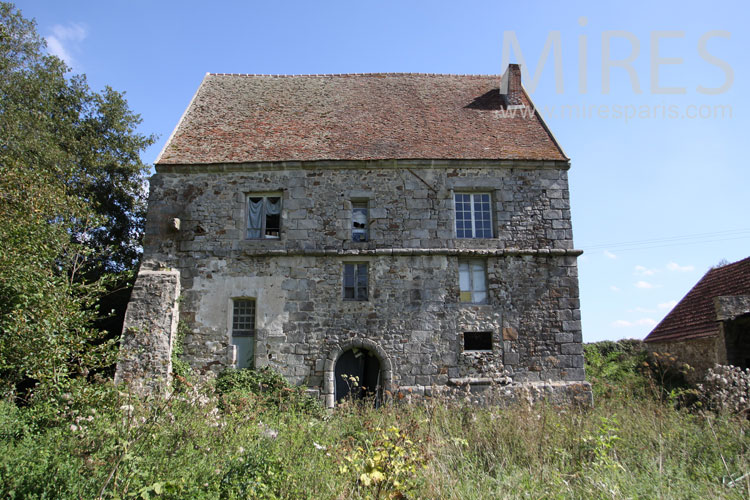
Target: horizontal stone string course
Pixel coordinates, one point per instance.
(495, 252)
(356, 165)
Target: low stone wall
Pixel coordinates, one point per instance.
(487, 393)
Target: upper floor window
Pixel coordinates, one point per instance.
(355, 281)
(472, 281)
(264, 216)
(359, 221)
(473, 215)
(243, 332)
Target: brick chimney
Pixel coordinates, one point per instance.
(510, 86)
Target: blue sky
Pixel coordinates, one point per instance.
(659, 185)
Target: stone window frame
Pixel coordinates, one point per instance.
(353, 203)
(356, 264)
(469, 261)
(263, 194)
(472, 193)
(233, 301)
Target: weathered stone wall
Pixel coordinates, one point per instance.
(701, 354)
(730, 307)
(413, 316)
(145, 358)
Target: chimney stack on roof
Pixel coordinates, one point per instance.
(510, 86)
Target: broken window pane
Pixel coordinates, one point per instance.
(359, 221)
(264, 217)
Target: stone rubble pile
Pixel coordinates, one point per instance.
(726, 388)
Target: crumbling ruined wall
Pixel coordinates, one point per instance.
(413, 313)
(145, 358)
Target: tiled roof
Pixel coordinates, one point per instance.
(262, 118)
(695, 315)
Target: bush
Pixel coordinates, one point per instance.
(616, 368)
(265, 388)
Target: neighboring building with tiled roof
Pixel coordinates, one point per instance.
(409, 230)
(711, 324)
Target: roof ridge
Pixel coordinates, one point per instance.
(381, 74)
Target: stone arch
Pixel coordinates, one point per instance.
(329, 373)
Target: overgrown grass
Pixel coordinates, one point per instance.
(254, 438)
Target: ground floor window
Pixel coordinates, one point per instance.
(243, 332)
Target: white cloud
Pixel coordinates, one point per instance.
(614, 288)
(643, 284)
(667, 305)
(644, 271)
(609, 254)
(64, 39)
(674, 266)
(642, 310)
(621, 323)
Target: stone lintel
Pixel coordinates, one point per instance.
(729, 307)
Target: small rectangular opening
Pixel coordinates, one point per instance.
(359, 221)
(477, 341)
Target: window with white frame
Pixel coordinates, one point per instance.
(472, 280)
(264, 216)
(243, 332)
(355, 281)
(473, 215)
(359, 221)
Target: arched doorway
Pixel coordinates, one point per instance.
(332, 369)
(358, 375)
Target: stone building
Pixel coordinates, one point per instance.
(411, 230)
(711, 324)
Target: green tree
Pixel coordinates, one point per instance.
(71, 209)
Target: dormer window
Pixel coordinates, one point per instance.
(264, 216)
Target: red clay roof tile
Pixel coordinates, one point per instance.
(256, 118)
(695, 315)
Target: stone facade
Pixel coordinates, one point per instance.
(413, 320)
(263, 196)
